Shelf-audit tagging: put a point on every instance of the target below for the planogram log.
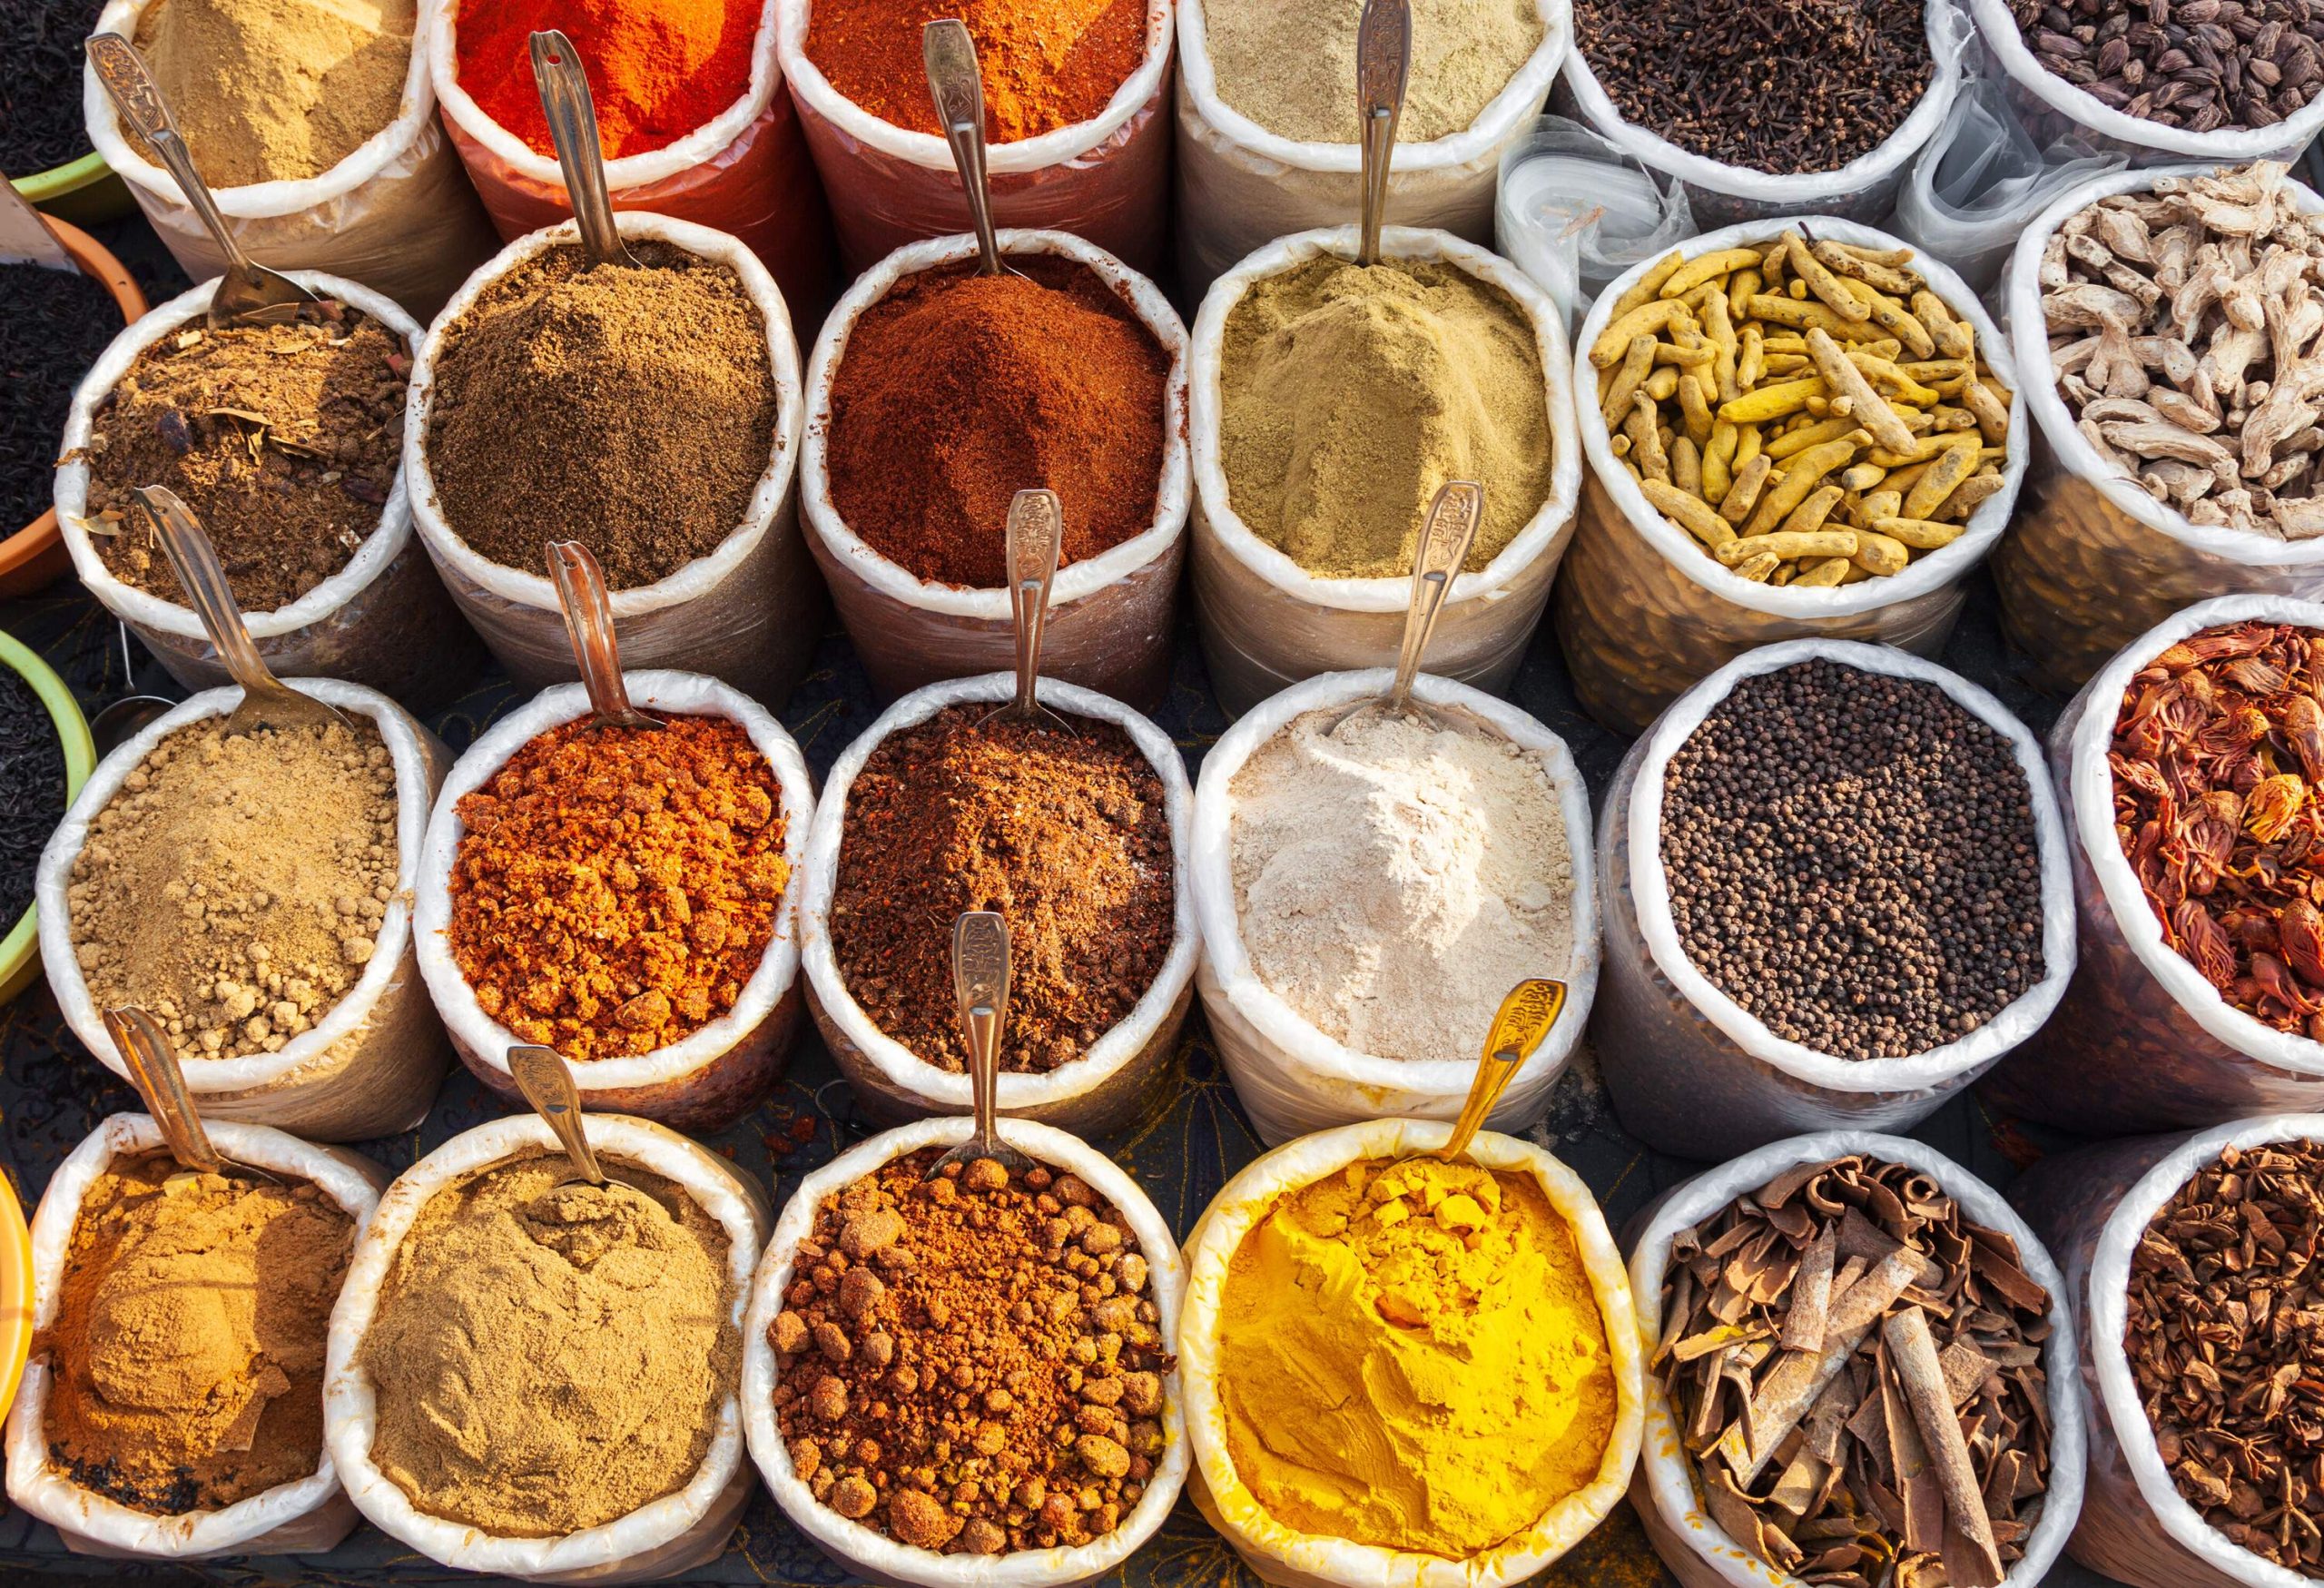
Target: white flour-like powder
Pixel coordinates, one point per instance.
(1395, 880)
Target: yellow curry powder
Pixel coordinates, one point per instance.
(1412, 1357)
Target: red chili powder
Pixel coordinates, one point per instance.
(959, 390)
(657, 69)
(1045, 63)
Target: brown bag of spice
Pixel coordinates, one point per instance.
(1109, 1085)
(1111, 617)
(2142, 1040)
(370, 1066)
(384, 620)
(308, 1516)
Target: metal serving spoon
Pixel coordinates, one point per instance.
(247, 291)
(950, 55)
(589, 625)
(572, 115)
(541, 1074)
(155, 1070)
(1384, 66)
(1036, 531)
(1445, 536)
(267, 701)
(1523, 1020)
(980, 987)
(119, 720)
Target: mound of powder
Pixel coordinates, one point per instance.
(1349, 394)
(548, 1358)
(188, 1344)
(235, 887)
(1291, 67)
(277, 90)
(1395, 880)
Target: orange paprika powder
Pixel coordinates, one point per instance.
(657, 69)
(615, 887)
(1045, 63)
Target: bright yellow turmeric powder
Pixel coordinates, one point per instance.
(1413, 1357)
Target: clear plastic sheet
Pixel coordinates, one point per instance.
(2141, 1040)
(1575, 212)
(2093, 561)
(1690, 1071)
(1643, 611)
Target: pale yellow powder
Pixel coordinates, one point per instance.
(1290, 64)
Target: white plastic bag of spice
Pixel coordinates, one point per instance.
(748, 613)
(868, 1554)
(660, 1539)
(1690, 1071)
(1240, 186)
(307, 1516)
(1265, 622)
(383, 620)
(1698, 1551)
(1644, 609)
(2093, 561)
(371, 1065)
(1291, 1078)
(1574, 212)
(1106, 179)
(2142, 1042)
(1121, 1074)
(397, 214)
(2091, 1206)
(1280, 1554)
(1111, 617)
(708, 1079)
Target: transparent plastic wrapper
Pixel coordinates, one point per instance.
(1111, 617)
(2142, 1042)
(2051, 105)
(1575, 212)
(384, 620)
(1292, 1079)
(1124, 1071)
(660, 1539)
(397, 214)
(710, 1079)
(1240, 186)
(866, 1554)
(745, 171)
(307, 1516)
(1689, 1071)
(1644, 610)
(1286, 1558)
(1698, 1551)
(1725, 195)
(1265, 621)
(371, 1065)
(2093, 561)
(749, 613)
(2091, 1206)
(1106, 179)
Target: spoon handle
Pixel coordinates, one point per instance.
(540, 1073)
(980, 987)
(1525, 1017)
(950, 55)
(1444, 540)
(195, 562)
(589, 625)
(138, 98)
(153, 1069)
(1384, 64)
(572, 115)
(1035, 533)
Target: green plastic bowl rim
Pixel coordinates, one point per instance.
(80, 760)
(57, 180)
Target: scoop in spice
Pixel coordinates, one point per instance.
(1289, 67)
(1045, 64)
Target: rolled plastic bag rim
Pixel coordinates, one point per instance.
(1206, 404)
(1651, 896)
(2030, 340)
(1687, 556)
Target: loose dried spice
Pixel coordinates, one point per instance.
(32, 791)
(2186, 331)
(1044, 63)
(284, 439)
(616, 887)
(2201, 65)
(972, 1364)
(2220, 1330)
(2217, 755)
(1855, 1371)
(57, 322)
(1065, 833)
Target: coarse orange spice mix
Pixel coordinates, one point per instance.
(614, 888)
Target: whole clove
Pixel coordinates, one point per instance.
(2202, 66)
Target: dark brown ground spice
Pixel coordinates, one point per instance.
(972, 1364)
(1064, 833)
(284, 439)
(634, 411)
